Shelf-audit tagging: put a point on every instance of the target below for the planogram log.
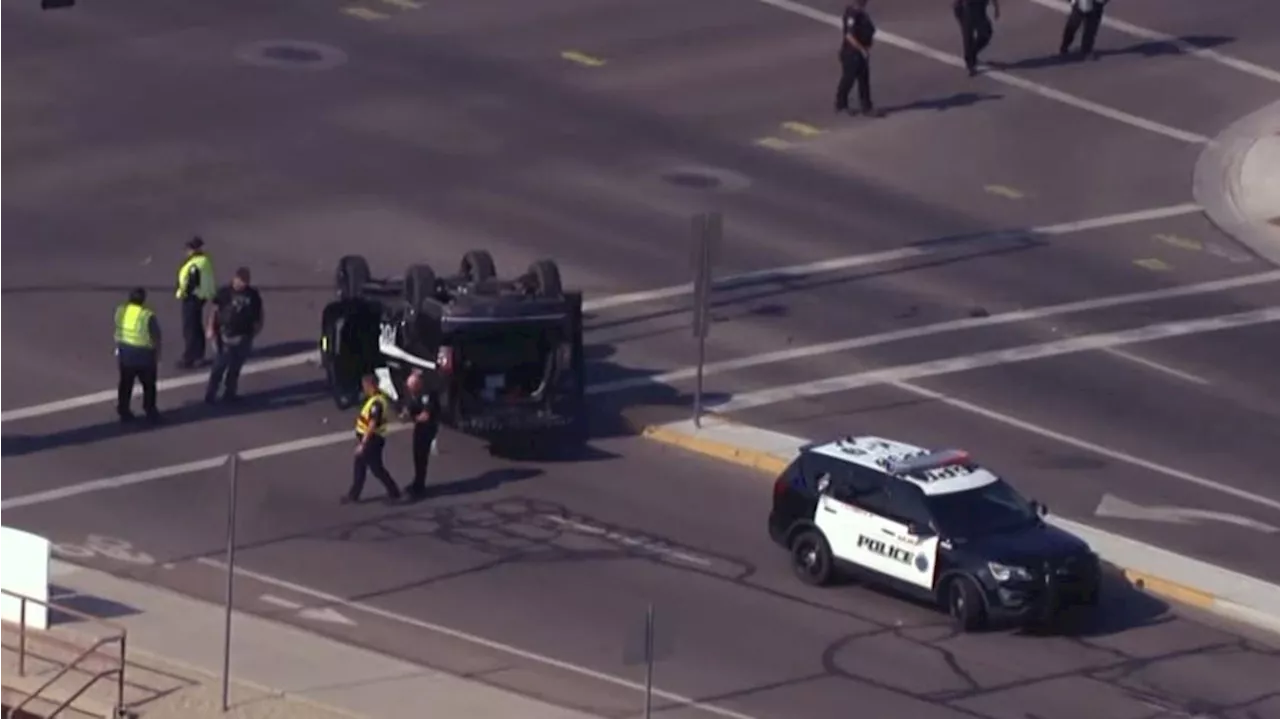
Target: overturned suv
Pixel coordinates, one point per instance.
(504, 355)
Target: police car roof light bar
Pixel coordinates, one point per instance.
(933, 460)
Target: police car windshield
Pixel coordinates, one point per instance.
(989, 509)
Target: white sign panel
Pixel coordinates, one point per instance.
(24, 569)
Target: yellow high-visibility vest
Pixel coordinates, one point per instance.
(133, 326)
(364, 420)
(207, 288)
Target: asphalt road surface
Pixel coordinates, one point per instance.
(291, 133)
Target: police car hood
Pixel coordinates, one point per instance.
(1031, 543)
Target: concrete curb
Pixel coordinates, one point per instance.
(1218, 188)
(1147, 568)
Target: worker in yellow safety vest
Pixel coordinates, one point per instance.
(196, 286)
(371, 440)
(138, 354)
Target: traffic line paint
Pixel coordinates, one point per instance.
(1183, 46)
(1158, 367)
(773, 143)
(677, 700)
(896, 376)
(1004, 191)
(1155, 264)
(993, 358)
(404, 4)
(1034, 88)
(968, 323)
(801, 128)
(1182, 243)
(1118, 550)
(648, 545)
(365, 13)
(790, 272)
(582, 58)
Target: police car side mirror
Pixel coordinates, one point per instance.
(920, 530)
(1040, 509)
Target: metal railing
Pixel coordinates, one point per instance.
(120, 635)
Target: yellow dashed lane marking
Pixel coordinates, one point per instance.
(404, 4)
(1152, 263)
(364, 13)
(1185, 243)
(1004, 191)
(581, 58)
(773, 143)
(801, 128)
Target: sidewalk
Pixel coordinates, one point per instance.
(1237, 181)
(281, 672)
(1183, 579)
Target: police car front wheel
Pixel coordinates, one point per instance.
(811, 558)
(964, 604)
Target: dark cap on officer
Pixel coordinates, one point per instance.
(137, 295)
(195, 243)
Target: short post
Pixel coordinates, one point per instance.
(648, 652)
(233, 464)
(22, 636)
(707, 231)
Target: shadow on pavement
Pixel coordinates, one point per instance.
(96, 607)
(269, 400)
(1149, 49)
(940, 104)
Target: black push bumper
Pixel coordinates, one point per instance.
(1050, 592)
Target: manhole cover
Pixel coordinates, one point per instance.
(692, 180)
(291, 55)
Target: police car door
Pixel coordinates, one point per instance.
(837, 513)
(886, 543)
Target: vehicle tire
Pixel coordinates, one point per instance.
(811, 558)
(477, 266)
(419, 286)
(964, 604)
(546, 278)
(352, 276)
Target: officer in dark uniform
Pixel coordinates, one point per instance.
(371, 440)
(857, 34)
(975, 28)
(424, 410)
(1089, 14)
(137, 353)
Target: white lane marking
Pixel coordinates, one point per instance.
(1183, 46)
(326, 614)
(1158, 367)
(903, 373)
(175, 470)
(1088, 446)
(1116, 508)
(864, 341)
(779, 273)
(647, 545)
(279, 601)
(476, 640)
(1080, 103)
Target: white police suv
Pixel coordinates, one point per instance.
(932, 524)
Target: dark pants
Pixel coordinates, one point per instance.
(192, 331)
(855, 69)
(1091, 21)
(370, 460)
(423, 436)
(129, 373)
(975, 32)
(229, 361)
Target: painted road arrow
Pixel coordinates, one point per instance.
(1117, 508)
(321, 614)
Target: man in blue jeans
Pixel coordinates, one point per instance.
(237, 318)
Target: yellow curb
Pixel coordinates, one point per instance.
(1170, 590)
(755, 459)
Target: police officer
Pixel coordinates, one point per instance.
(1089, 14)
(195, 287)
(424, 409)
(371, 440)
(857, 34)
(975, 28)
(138, 353)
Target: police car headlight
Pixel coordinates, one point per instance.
(1005, 572)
